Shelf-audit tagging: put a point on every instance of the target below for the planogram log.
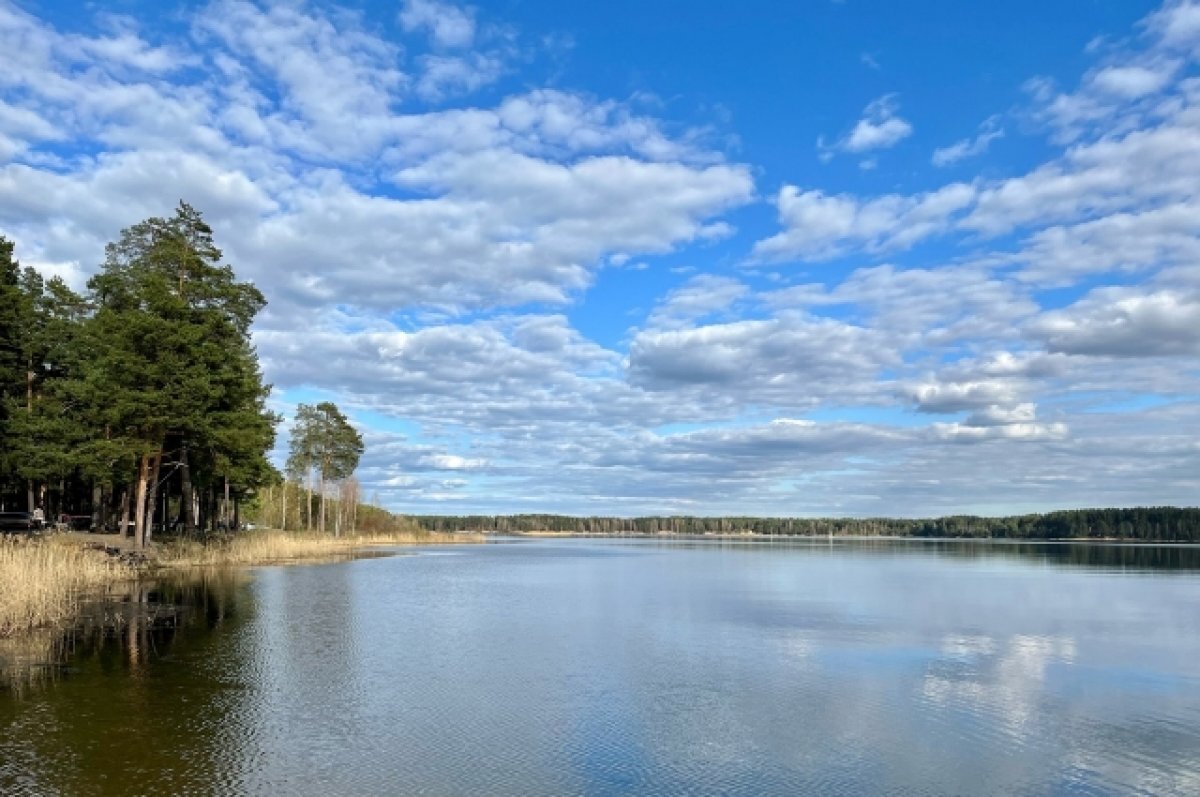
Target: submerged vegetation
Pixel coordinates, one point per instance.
(1150, 524)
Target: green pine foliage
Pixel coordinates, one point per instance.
(144, 394)
(325, 444)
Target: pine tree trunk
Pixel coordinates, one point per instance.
(283, 507)
(225, 505)
(139, 507)
(97, 505)
(308, 503)
(124, 528)
(322, 502)
(152, 495)
(200, 507)
(29, 408)
(186, 518)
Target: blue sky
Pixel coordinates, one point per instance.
(817, 258)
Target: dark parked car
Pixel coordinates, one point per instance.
(18, 523)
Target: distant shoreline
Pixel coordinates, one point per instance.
(754, 537)
(1133, 524)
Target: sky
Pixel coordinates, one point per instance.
(833, 257)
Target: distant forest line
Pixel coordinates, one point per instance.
(1149, 524)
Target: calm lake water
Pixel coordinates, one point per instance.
(564, 667)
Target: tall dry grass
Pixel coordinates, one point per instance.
(43, 581)
(270, 546)
(415, 537)
(261, 547)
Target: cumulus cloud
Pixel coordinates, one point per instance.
(429, 259)
(698, 298)
(443, 76)
(880, 127)
(1130, 82)
(447, 25)
(818, 225)
(793, 360)
(1120, 322)
(337, 82)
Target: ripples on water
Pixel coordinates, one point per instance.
(635, 667)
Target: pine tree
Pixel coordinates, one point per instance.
(170, 345)
(323, 440)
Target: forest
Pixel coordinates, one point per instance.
(140, 402)
(1158, 524)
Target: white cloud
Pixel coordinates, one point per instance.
(950, 397)
(1121, 242)
(448, 25)
(880, 127)
(337, 83)
(1122, 322)
(818, 225)
(971, 433)
(410, 255)
(1130, 82)
(989, 131)
(447, 75)
(793, 360)
(450, 462)
(1177, 23)
(700, 297)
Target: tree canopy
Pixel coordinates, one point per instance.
(147, 380)
(324, 442)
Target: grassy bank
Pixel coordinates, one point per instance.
(44, 581)
(266, 547)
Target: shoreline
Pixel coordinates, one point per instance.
(755, 537)
(49, 579)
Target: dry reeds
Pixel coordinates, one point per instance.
(267, 547)
(251, 548)
(414, 537)
(43, 581)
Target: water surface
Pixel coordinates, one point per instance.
(637, 667)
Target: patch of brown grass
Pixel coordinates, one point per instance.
(269, 546)
(43, 581)
(415, 537)
(258, 547)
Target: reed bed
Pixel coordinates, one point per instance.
(43, 581)
(416, 537)
(267, 547)
(245, 549)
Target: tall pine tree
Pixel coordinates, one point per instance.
(170, 345)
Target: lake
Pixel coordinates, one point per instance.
(577, 666)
